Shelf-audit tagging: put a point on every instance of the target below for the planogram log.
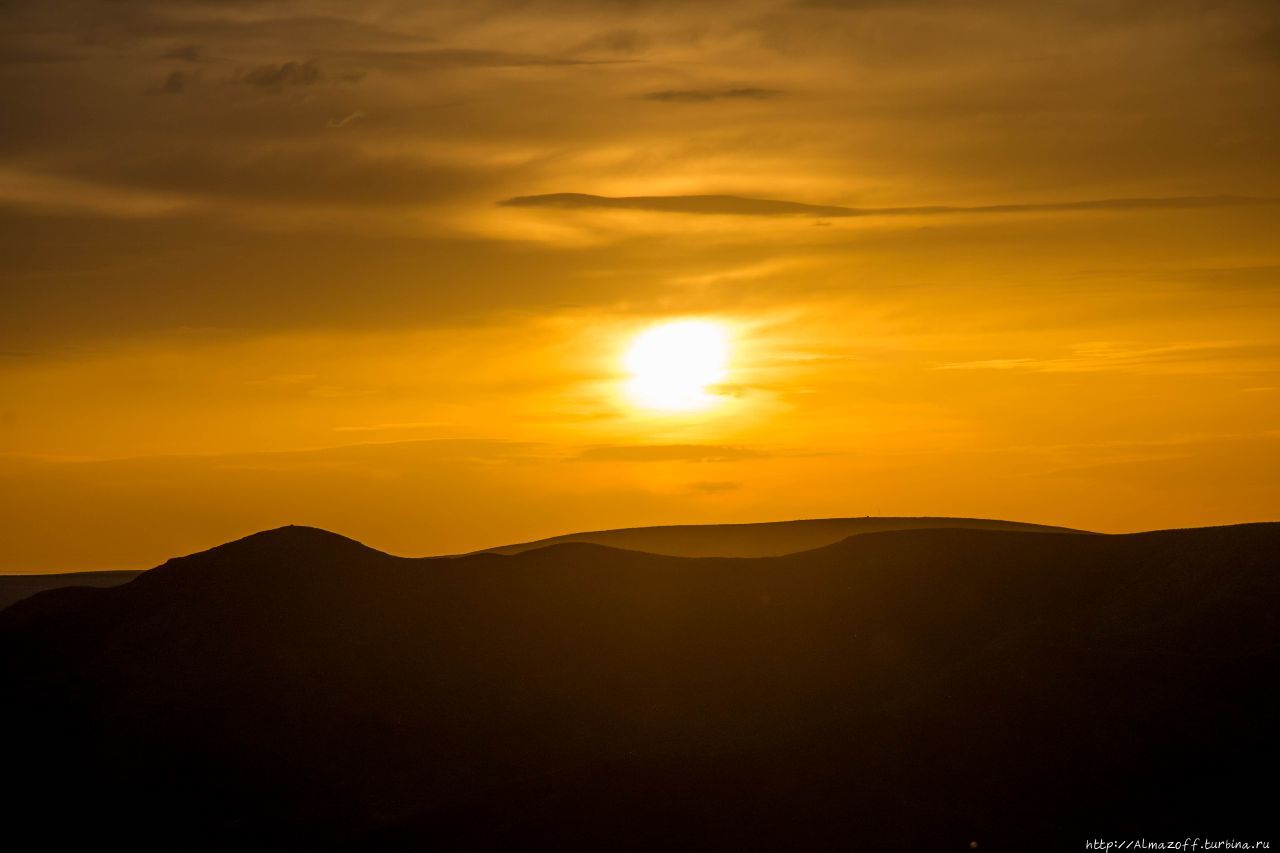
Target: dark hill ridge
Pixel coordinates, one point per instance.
(905, 690)
(259, 549)
(762, 539)
(14, 588)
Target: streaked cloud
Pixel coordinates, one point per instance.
(174, 84)
(669, 453)
(714, 487)
(726, 205)
(696, 96)
(274, 78)
(1214, 357)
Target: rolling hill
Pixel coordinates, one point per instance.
(904, 690)
(14, 588)
(762, 539)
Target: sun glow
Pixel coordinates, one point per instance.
(673, 365)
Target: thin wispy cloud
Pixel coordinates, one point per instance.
(729, 205)
(276, 78)
(669, 453)
(696, 96)
(175, 83)
(1183, 357)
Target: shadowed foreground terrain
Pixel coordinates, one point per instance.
(906, 690)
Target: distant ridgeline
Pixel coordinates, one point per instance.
(692, 540)
(14, 588)
(912, 689)
(766, 539)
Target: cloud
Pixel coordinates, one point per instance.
(321, 172)
(58, 194)
(390, 427)
(1247, 276)
(668, 453)
(36, 56)
(728, 205)
(714, 487)
(275, 78)
(459, 125)
(702, 95)
(871, 5)
(1213, 357)
(418, 60)
(174, 84)
(186, 53)
(701, 204)
(413, 450)
(626, 41)
(349, 118)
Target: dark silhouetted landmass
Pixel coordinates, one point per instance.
(14, 588)
(764, 539)
(913, 690)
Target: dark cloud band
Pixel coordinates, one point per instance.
(695, 96)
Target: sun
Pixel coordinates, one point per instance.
(673, 365)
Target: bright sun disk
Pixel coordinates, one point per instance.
(672, 365)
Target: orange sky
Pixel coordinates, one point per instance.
(286, 262)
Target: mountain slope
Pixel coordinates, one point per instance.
(763, 539)
(904, 690)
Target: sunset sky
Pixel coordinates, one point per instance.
(377, 266)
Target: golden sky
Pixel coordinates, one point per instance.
(375, 266)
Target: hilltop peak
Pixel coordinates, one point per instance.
(272, 551)
(291, 537)
(296, 533)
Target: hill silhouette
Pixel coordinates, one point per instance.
(14, 588)
(761, 539)
(904, 690)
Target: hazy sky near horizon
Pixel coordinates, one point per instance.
(373, 266)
